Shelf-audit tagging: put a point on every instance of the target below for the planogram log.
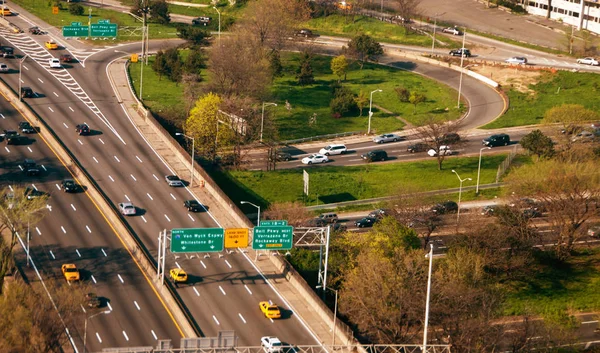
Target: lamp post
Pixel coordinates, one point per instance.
(334, 310)
(258, 207)
(370, 108)
(479, 169)
(262, 118)
(459, 192)
(430, 255)
(85, 326)
(20, 70)
(193, 150)
(460, 81)
(219, 12)
(434, 27)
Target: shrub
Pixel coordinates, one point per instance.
(76, 9)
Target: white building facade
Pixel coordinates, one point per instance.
(579, 13)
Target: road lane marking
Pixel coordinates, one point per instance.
(2, 115)
(29, 148)
(217, 321)
(202, 263)
(138, 158)
(66, 126)
(222, 291)
(34, 186)
(73, 207)
(20, 167)
(44, 168)
(52, 254)
(111, 178)
(25, 67)
(228, 264)
(49, 208)
(109, 307)
(101, 141)
(173, 196)
(38, 231)
(72, 109)
(192, 218)
(154, 334)
(88, 229)
(93, 279)
(7, 150)
(121, 278)
(56, 94)
(241, 317)
(177, 264)
(136, 305)
(63, 229)
(132, 177)
(57, 186)
(99, 339)
(248, 289)
(104, 252)
(117, 159)
(82, 308)
(95, 160)
(168, 219)
(10, 187)
(81, 143)
(155, 177)
(39, 79)
(144, 219)
(589, 322)
(127, 197)
(150, 197)
(195, 290)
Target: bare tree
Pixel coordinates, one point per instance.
(407, 9)
(294, 212)
(414, 210)
(435, 134)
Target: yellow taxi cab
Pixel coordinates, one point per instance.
(51, 45)
(178, 275)
(6, 11)
(270, 310)
(70, 272)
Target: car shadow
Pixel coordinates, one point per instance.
(139, 211)
(95, 133)
(192, 280)
(285, 313)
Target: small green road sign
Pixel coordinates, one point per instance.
(75, 30)
(197, 240)
(273, 238)
(273, 223)
(103, 22)
(104, 29)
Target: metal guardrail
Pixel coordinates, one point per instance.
(371, 348)
(322, 137)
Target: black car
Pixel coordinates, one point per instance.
(375, 155)
(192, 205)
(16, 140)
(445, 207)
(26, 127)
(32, 193)
(449, 138)
(92, 300)
(338, 227)
(10, 133)
(82, 129)
(7, 52)
(202, 20)
(26, 92)
(30, 167)
(460, 52)
(66, 58)
(306, 33)
(531, 213)
(69, 185)
(496, 140)
(365, 222)
(283, 156)
(35, 30)
(489, 210)
(418, 147)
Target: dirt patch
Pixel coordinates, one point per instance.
(516, 78)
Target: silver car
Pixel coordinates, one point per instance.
(127, 209)
(173, 180)
(521, 60)
(387, 138)
(314, 159)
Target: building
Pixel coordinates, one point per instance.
(582, 14)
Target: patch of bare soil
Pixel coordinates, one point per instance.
(514, 77)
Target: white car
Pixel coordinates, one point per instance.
(333, 149)
(452, 30)
(3, 68)
(271, 344)
(127, 209)
(55, 63)
(521, 60)
(444, 151)
(588, 61)
(173, 180)
(315, 158)
(387, 138)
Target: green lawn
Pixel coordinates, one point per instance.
(553, 90)
(340, 25)
(43, 10)
(310, 99)
(336, 184)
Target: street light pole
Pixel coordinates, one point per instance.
(427, 300)
(462, 58)
(219, 12)
(370, 109)
(250, 203)
(85, 326)
(434, 27)
(459, 193)
(262, 118)
(479, 169)
(20, 70)
(334, 310)
(193, 150)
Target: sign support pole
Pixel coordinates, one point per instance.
(164, 251)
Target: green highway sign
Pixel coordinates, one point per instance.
(197, 240)
(75, 30)
(104, 29)
(273, 223)
(273, 237)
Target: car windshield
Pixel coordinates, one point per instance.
(71, 270)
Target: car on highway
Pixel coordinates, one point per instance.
(444, 151)
(520, 60)
(271, 344)
(173, 180)
(70, 272)
(6, 11)
(333, 149)
(283, 156)
(583, 136)
(270, 310)
(379, 213)
(489, 210)
(531, 212)
(193, 205)
(9, 133)
(4, 68)
(202, 20)
(461, 52)
(375, 155)
(365, 222)
(387, 138)
(315, 158)
(448, 138)
(55, 63)
(82, 129)
(127, 209)
(16, 140)
(452, 30)
(496, 140)
(35, 30)
(26, 128)
(329, 217)
(178, 275)
(69, 185)
(588, 61)
(306, 33)
(31, 193)
(30, 167)
(92, 300)
(594, 231)
(445, 207)
(338, 227)
(51, 45)
(67, 58)
(27, 92)
(418, 147)
(7, 52)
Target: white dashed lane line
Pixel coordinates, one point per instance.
(195, 290)
(241, 317)
(136, 305)
(248, 289)
(138, 158)
(56, 94)
(72, 109)
(155, 177)
(149, 196)
(98, 336)
(104, 252)
(95, 160)
(132, 177)
(118, 161)
(63, 229)
(111, 178)
(121, 279)
(67, 126)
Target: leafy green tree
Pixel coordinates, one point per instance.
(174, 64)
(159, 11)
(537, 143)
(403, 94)
(196, 35)
(363, 48)
(305, 74)
(342, 102)
(415, 99)
(339, 67)
(202, 124)
(361, 101)
(76, 9)
(194, 62)
(275, 64)
(160, 65)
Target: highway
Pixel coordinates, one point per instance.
(225, 291)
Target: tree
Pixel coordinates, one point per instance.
(407, 9)
(413, 209)
(194, 62)
(361, 101)
(275, 64)
(343, 101)
(403, 94)
(76, 9)
(160, 65)
(196, 35)
(159, 11)
(202, 124)
(537, 143)
(174, 64)
(339, 67)
(363, 48)
(305, 74)
(416, 98)
(568, 190)
(191, 90)
(294, 212)
(433, 132)
(568, 114)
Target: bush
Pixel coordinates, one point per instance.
(511, 5)
(343, 102)
(76, 9)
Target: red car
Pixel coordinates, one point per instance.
(66, 58)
